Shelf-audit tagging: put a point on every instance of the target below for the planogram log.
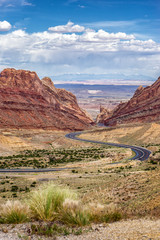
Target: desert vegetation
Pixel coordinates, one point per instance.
(52, 203)
(97, 185)
(43, 158)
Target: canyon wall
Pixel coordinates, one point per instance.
(144, 106)
(28, 102)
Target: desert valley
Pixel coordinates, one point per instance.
(79, 120)
(54, 187)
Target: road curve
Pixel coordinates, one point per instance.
(140, 152)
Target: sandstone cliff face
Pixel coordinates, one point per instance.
(144, 106)
(28, 102)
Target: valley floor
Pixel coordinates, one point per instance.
(110, 178)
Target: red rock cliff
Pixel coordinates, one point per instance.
(144, 106)
(28, 102)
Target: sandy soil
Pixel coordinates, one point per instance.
(13, 140)
(141, 229)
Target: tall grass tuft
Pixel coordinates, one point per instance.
(51, 202)
(46, 202)
(14, 212)
(73, 213)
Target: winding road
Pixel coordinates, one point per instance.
(32, 170)
(140, 154)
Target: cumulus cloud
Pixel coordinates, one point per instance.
(102, 35)
(5, 26)
(68, 28)
(58, 52)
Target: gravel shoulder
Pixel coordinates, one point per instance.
(139, 229)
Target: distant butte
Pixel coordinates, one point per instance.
(143, 107)
(28, 102)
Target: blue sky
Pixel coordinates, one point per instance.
(114, 39)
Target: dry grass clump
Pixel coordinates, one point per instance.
(14, 212)
(101, 213)
(47, 201)
(51, 202)
(73, 213)
(96, 211)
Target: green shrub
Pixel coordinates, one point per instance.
(27, 189)
(43, 230)
(153, 162)
(14, 188)
(49, 230)
(14, 195)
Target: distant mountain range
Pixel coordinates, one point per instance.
(115, 79)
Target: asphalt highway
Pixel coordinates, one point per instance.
(31, 170)
(140, 152)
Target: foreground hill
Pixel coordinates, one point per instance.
(28, 102)
(144, 106)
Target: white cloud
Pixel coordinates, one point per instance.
(5, 26)
(98, 52)
(68, 28)
(81, 6)
(102, 35)
(26, 3)
(103, 24)
(14, 3)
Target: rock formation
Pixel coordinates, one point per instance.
(144, 106)
(28, 102)
(104, 114)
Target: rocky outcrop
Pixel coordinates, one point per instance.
(28, 102)
(48, 82)
(144, 106)
(104, 114)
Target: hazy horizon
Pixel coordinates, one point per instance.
(91, 97)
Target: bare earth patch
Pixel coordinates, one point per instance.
(140, 229)
(13, 140)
